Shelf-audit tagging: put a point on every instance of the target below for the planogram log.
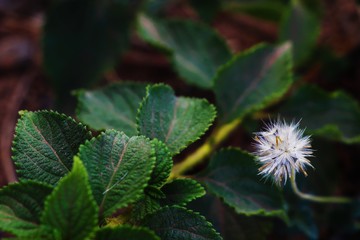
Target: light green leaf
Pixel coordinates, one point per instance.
(20, 207)
(332, 115)
(233, 176)
(182, 191)
(302, 28)
(163, 164)
(119, 168)
(82, 39)
(176, 121)
(178, 223)
(114, 106)
(71, 208)
(44, 145)
(197, 51)
(126, 232)
(252, 80)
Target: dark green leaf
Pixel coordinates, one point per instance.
(300, 27)
(84, 38)
(252, 80)
(233, 176)
(154, 192)
(71, 208)
(44, 145)
(178, 223)
(119, 168)
(332, 115)
(182, 191)
(268, 9)
(197, 51)
(145, 206)
(114, 106)
(20, 207)
(125, 232)
(163, 164)
(176, 121)
(207, 11)
(228, 223)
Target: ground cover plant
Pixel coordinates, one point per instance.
(138, 160)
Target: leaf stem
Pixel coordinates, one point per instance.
(314, 198)
(216, 138)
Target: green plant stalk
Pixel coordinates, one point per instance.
(215, 139)
(314, 198)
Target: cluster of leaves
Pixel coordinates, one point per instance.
(116, 185)
(112, 186)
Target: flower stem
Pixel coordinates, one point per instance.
(314, 198)
(216, 138)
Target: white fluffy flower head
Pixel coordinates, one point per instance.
(282, 148)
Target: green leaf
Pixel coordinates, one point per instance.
(20, 207)
(335, 116)
(114, 106)
(182, 191)
(176, 121)
(163, 164)
(252, 80)
(126, 232)
(44, 145)
(71, 208)
(230, 224)
(146, 205)
(197, 51)
(302, 28)
(83, 39)
(207, 11)
(178, 223)
(119, 168)
(233, 176)
(268, 10)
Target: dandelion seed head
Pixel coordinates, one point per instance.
(280, 148)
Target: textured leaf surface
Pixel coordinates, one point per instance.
(178, 223)
(252, 80)
(114, 106)
(71, 208)
(146, 205)
(83, 39)
(332, 115)
(44, 145)
(300, 27)
(197, 51)
(233, 176)
(163, 164)
(230, 224)
(20, 207)
(176, 121)
(119, 168)
(182, 191)
(125, 232)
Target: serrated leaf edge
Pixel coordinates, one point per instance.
(191, 197)
(152, 158)
(212, 107)
(88, 190)
(23, 114)
(208, 224)
(132, 227)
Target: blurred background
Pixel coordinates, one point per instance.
(50, 48)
